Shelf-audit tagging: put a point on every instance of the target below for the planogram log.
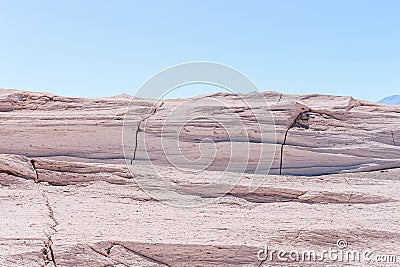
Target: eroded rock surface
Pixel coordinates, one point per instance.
(315, 134)
(68, 199)
(67, 217)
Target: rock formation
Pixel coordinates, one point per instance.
(69, 199)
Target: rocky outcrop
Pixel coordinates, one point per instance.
(19, 166)
(311, 135)
(68, 198)
(67, 217)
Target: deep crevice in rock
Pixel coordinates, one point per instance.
(49, 243)
(48, 253)
(280, 98)
(296, 123)
(138, 129)
(34, 169)
(301, 121)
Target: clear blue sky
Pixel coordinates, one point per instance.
(103, 48)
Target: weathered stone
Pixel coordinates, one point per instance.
(67, 197)
(18, 166)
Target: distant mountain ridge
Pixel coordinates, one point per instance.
(394, 100)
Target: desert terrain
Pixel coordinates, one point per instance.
(70, 196)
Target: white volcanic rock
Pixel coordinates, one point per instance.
(44, 125)
(316, 134)
(98, 222)
(68, 199)
(321, 134)
(19, 166)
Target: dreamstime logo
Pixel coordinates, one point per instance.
(340, 254)
(234, 135)
(341, 244)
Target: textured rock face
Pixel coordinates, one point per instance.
(68, 199)
(314, 134)
(86, 214)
